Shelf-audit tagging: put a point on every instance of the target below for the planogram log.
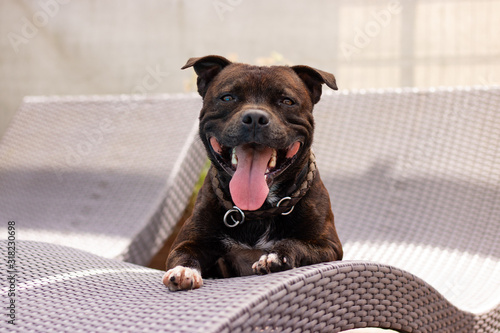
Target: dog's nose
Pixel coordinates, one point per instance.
(257, 118)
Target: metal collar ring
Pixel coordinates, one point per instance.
(284, 199)
(235, 222)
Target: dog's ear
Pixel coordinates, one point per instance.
(314, 78)
(206, 68)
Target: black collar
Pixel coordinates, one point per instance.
(235, 216)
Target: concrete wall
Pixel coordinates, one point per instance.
(124, 46)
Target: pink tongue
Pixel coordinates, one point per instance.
(248, 186)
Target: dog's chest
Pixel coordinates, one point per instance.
(251, 240)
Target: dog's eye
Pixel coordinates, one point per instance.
(287, 101)
(227, 98)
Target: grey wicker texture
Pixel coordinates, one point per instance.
(414, 178)
(107, 174)
(67, 290)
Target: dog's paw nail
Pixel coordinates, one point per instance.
(270, 263)
(182, 278)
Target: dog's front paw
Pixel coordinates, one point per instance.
(182, 278)
(269, 263)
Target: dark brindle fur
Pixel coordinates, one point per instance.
(262, 115)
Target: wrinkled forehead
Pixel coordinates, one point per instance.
(242, 78)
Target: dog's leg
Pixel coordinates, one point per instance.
(182, 278)
(271, 262)
(184, 267)
(291, 253)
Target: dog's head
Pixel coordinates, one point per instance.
(257, 123)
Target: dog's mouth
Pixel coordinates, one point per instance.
(253, 168)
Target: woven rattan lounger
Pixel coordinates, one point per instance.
(110, 175)
(414, 177)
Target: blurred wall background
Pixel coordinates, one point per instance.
(61, 47)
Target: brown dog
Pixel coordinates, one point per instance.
(263, 207)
